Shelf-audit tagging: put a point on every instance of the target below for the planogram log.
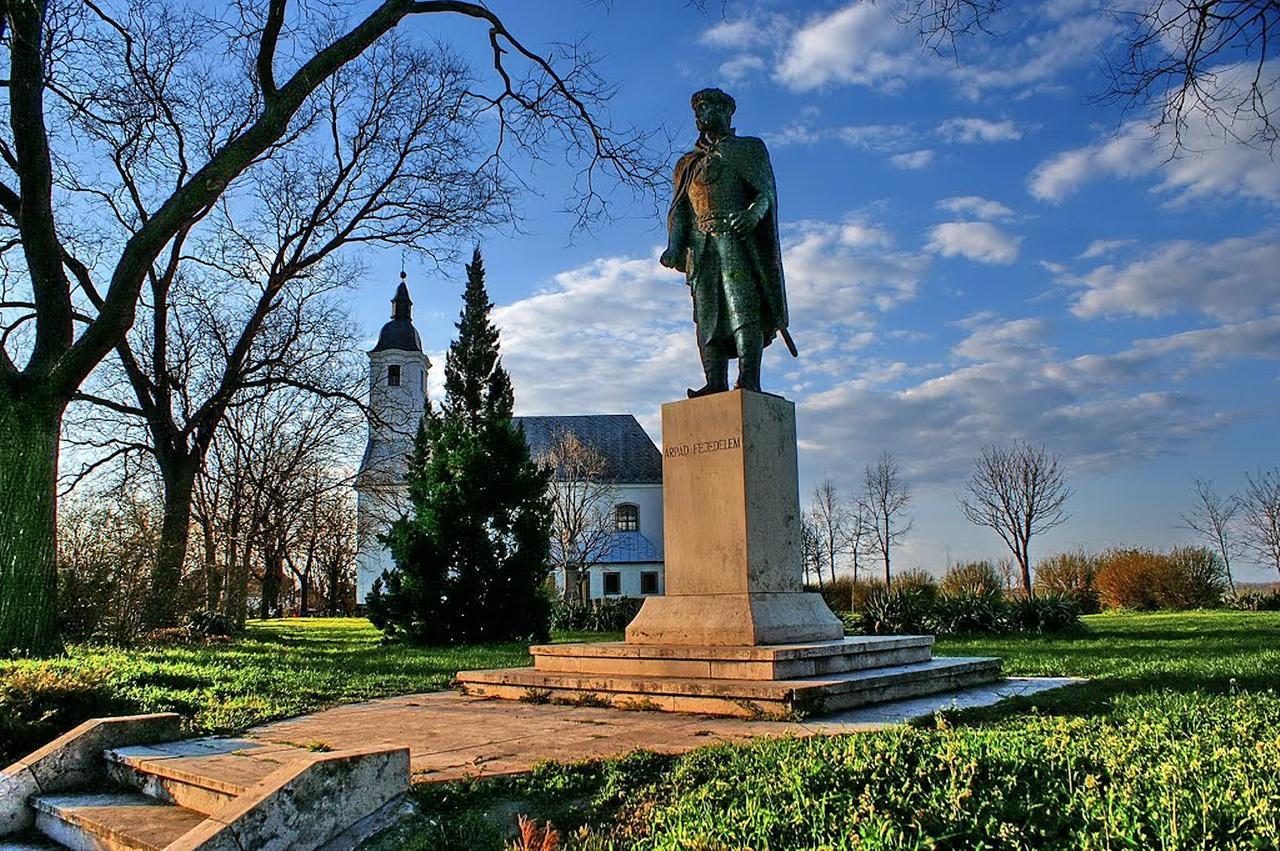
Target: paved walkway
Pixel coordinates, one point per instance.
(451, 736)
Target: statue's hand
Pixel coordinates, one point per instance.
(672, 259)
(744, 222)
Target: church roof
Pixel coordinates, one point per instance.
(399, 333)
(631, 457)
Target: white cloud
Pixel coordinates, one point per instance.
(1232, 279)
(970, 130)
(735, 35)
(841, 273)
(1003, 341)
(980, 241)
(881, 138)
(977, 206)
(876, 137)
(1102, 247)
(913, 160)
(741, 66)
(616, 334)
(859, 44)
(1209, 163)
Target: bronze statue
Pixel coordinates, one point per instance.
(723, 234)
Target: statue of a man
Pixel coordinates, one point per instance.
(723, 234)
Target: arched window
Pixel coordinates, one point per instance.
(627, 517)
(393, 375)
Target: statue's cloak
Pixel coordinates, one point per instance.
(747, 158)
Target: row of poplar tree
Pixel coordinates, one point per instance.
(472, 555)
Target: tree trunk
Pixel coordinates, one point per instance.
(164, 602)
(886, 568)
(1024, 563)
(29, 431)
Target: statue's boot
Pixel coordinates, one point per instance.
(750, 349)
(715, 366)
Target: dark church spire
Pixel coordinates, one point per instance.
(399, 333)
(402, 305)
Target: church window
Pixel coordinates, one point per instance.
(627, 517)
(612, 583)
(393, 375)
(649, 582)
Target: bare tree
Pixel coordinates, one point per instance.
(831, 518)
(582, 524)
(76, 293)
(1260, 505)
(1212, 518)
(859, 534)
(886, 496)
(1192, 61)
(810, 548)
(1018, 492)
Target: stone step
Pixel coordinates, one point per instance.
(742, 698)
(199, 774)
(763, 662)
(116, 821)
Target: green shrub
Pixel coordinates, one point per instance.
(39, 702)
(917, 581)
(610, 614)
(972, 579)
(1070, 574)
(863, 590)
(1255, 601)
(1197, 580)
(896, 612)
(1047, 613)
(838, 594)
(966, 614)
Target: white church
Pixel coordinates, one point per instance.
(632, 565)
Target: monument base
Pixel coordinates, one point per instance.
(734, 619)
(777, 681)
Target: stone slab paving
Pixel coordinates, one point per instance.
(451, 736)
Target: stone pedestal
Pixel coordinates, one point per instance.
(731, 512)
(736, 634)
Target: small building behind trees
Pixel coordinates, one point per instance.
(627, 561)
(625, 556)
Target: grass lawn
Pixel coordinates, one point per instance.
(1175, 743)
(277, 669)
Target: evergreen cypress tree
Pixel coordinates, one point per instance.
(472, 558)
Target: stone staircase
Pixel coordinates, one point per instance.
(123, 783)
(760, 681)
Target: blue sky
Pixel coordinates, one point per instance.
(974, 252)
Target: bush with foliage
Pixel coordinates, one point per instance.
(473, 557)
(40, 702)
(610, 614)
(107, 546)
(838, 594)
(1071, 574)
(916, 580)
(968, 614)
(1255, 601)
(897, 612)
(972, 579)
(1146, 580)
(900, 612)
(1045, 613)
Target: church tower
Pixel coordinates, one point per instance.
(397, 400)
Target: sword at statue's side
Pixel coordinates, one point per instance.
(753, 254)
